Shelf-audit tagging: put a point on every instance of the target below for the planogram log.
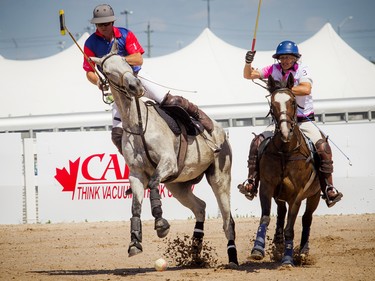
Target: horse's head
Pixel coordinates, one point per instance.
(119, 73)
(283, 106)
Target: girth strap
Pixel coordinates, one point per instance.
(182, 151)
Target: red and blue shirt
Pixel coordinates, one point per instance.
(97, 46)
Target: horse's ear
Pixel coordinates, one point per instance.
(290, 82)
(271, 84)
(114, 48)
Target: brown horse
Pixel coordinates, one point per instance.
(287, 174)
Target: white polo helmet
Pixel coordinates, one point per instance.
(103, 13)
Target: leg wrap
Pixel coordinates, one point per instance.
(288, 253)
(232, 252)
(198, 230)
(260, 240)
(156, 210)
(136, 229)
(116, 135)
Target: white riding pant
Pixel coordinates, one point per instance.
(152, 91)
(308, 128)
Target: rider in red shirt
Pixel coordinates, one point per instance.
(100, 43)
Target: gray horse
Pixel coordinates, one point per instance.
(150, 150)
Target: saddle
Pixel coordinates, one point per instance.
(314, 157)
(176, 117)
(181, 124)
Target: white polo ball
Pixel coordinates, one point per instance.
(161, 264)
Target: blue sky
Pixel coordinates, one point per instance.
(29, 29)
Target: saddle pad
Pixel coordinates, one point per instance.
(171, 114)
(167, 118)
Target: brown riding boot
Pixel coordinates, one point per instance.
(330, 193)
(250, 189)
(191, 109)
(116, 135)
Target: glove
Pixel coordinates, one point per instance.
(101, 86)
(250, 56)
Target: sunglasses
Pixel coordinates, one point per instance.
(103, 24)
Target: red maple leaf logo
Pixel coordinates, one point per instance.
(67, 179)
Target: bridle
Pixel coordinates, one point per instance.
(121, 88)
(289, 118)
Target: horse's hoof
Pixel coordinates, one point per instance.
(135, 248)
(305, 250)
(133, 251)
(233, 265)
(257, 255)
(287, 261)
(162, 227)
(232, 254)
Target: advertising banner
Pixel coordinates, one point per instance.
(81, 176)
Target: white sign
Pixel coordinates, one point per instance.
(11, 179)
(81, 176)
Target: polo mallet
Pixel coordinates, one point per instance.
(256, 27)
(63, 30)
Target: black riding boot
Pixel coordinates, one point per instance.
(250, 189)
(330, 193)
(191, 109)
(116, 135)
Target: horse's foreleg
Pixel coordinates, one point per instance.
(287, 259)
(135, 246)
(280, 223)
(258, 250)
(161, 225)
(311, 205)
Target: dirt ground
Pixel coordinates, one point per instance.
(341, 248)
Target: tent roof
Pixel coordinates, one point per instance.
(214, 68)
(209, 66)
(52, 85)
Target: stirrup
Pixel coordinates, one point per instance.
(248, 194)
(331, 201)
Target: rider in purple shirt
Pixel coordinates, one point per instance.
(287, 56)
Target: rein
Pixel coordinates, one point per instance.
(288, 156)
(122, 90)
(289, 119)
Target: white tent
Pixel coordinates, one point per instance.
(214, 68)
(51, 85)
(57, 85)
